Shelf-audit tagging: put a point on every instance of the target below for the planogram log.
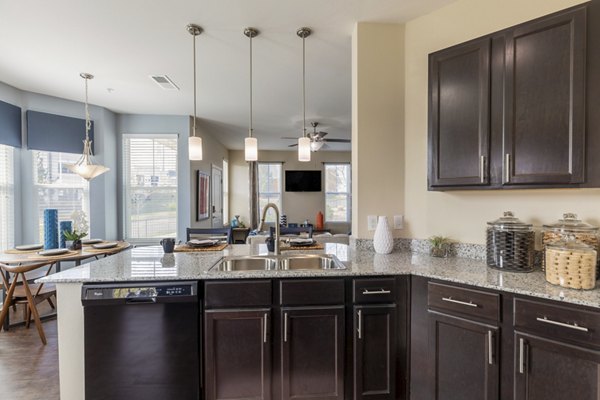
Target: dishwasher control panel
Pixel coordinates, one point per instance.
(142, 291)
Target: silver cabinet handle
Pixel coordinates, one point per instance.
(521, 356)
(490, 348)
(507, 167)
(563, 324)
(462, 303)
(482, 169)
(380, 291)
(285, 326)
(265, 327)
(359, 327)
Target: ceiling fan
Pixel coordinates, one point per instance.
(317, 139)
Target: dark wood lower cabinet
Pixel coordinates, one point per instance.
(375, 352)
(464, 358)
(238, 354)
(312, 353)
(552, 370)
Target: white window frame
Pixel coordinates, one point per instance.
(125, 185)
(348, 194)
(7, 198)
(225, 191)
(271, 194)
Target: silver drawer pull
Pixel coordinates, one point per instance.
(482, 168)
(521, 356)
(359, 328)
(285, 327)
(490, 348)
(564, 325)
(462, 303)
(265, 327)
(380, 291)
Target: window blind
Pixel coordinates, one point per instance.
(57, 187)
(7, 197)
(269, 188)
(150, 186)
(338, 192)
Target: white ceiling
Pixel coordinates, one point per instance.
(46, 44)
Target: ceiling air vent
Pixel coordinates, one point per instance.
(164, 82)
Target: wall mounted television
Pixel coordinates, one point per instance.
(302, 181)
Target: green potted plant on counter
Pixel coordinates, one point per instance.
(79, 231)
(439, 246)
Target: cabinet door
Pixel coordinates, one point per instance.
(238, 354)
(375, 352)
(312, 353)
(464, 358)
(551, 370)
(459, 104)
(544, 137)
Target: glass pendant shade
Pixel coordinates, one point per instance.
(85, 166)
(251, 149)
(316, 146)
(195, 148)
(304, 149)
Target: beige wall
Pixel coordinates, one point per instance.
(377, 123)
(297, 206)
(213, 153)
(462, 215)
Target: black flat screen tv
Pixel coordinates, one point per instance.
(302, 181)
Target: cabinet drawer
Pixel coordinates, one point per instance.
(466, 302)
(374, 290)
(230, 294)
(300, 292)
(558, 321)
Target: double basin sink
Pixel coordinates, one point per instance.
(279, 263)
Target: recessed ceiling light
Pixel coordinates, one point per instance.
(164, 82)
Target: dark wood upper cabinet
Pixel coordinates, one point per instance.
(508, 110)
(552, 370)
(312, 353)
(459, 95)
(238, 354)
(375, 352)
(544, 137)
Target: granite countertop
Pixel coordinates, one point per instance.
(150, 264)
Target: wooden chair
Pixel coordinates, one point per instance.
(19, 291)
(293, 231)
(209, 231)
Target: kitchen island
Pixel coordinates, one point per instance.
(150, 264)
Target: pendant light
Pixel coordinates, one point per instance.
(304, 141)
(195, 142)
(86, 166)
(250, 143)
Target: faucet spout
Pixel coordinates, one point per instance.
(277, 230)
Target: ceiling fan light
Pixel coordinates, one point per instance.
(195, 146)
(304, 149)
(251, 149)
(316, 145)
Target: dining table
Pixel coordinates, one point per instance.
(20, 257)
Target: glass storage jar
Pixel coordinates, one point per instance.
(510, 244)
(571, 263)
(571, 225)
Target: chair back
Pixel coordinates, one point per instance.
(209, 232)
(293, 231)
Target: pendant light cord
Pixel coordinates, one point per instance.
(194, 42)
(304, 85)
(250, 130)
(88, 122)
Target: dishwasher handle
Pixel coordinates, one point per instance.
(140, 300)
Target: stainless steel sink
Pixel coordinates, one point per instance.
(272, 263)
(247, 263)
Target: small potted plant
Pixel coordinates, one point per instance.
(78, 232)
(439, 246)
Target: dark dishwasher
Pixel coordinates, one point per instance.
(141, 341)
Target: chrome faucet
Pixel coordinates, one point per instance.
(277, 230)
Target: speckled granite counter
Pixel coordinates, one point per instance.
(149, 263)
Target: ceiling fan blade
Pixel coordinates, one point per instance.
(337, 140)
(293, 145)
(289, 138)
(322, 134)
(325, 146)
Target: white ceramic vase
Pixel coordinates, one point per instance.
(383, 242)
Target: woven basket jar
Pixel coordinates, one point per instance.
(571, 264)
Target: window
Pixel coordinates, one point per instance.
(337, 193)
(225, 191)
(7, 197)
(269, 188)
(57, 187)
(150, 186)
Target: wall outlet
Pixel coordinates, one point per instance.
(371, 222)
(398, 221)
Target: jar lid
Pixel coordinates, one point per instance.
(570, 223)
(510, 222)
(570, 243)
